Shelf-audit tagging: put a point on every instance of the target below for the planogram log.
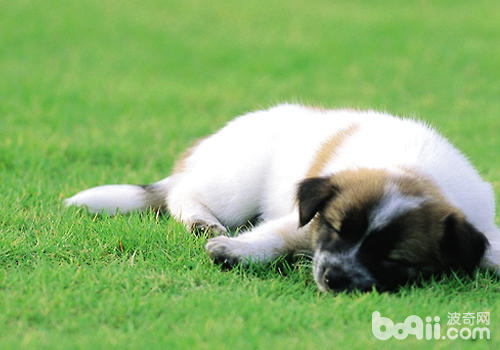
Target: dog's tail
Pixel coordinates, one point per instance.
(113, 199)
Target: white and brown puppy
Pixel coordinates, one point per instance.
(374, 198)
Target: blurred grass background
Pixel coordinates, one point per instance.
(95, 92)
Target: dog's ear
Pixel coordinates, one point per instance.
(462, 246)
(312, 195)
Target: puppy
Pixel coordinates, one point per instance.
(375, 199)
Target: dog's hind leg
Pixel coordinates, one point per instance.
(196, 216)
(112, 199)
(264, 243)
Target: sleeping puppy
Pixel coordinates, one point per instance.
(375, 199)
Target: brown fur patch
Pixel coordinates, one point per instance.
(421, 229)
(180, 164)
(419, 243)
(424, 225)
(328, 149)
(357, 190)
(414, 184)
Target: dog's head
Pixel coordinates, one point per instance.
(370, 229)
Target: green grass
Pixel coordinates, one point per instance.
(95, 92)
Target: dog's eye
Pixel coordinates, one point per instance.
(396, 262)
(390, 261)
(328, 225)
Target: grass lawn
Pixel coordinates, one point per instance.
(108, 91)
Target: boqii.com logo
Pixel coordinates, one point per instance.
(467, 325)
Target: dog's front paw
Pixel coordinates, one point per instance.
(226, 251)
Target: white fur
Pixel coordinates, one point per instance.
(392, 205)
(110, 199)
(253, 165)
(113, 199)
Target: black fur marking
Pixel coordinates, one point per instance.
(327, 240)
(313, 194)
(354, 225)
(379, 243)
(462, 246)
(374, 255)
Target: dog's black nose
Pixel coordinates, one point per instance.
(336, 279)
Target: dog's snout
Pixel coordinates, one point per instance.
(336, 279)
